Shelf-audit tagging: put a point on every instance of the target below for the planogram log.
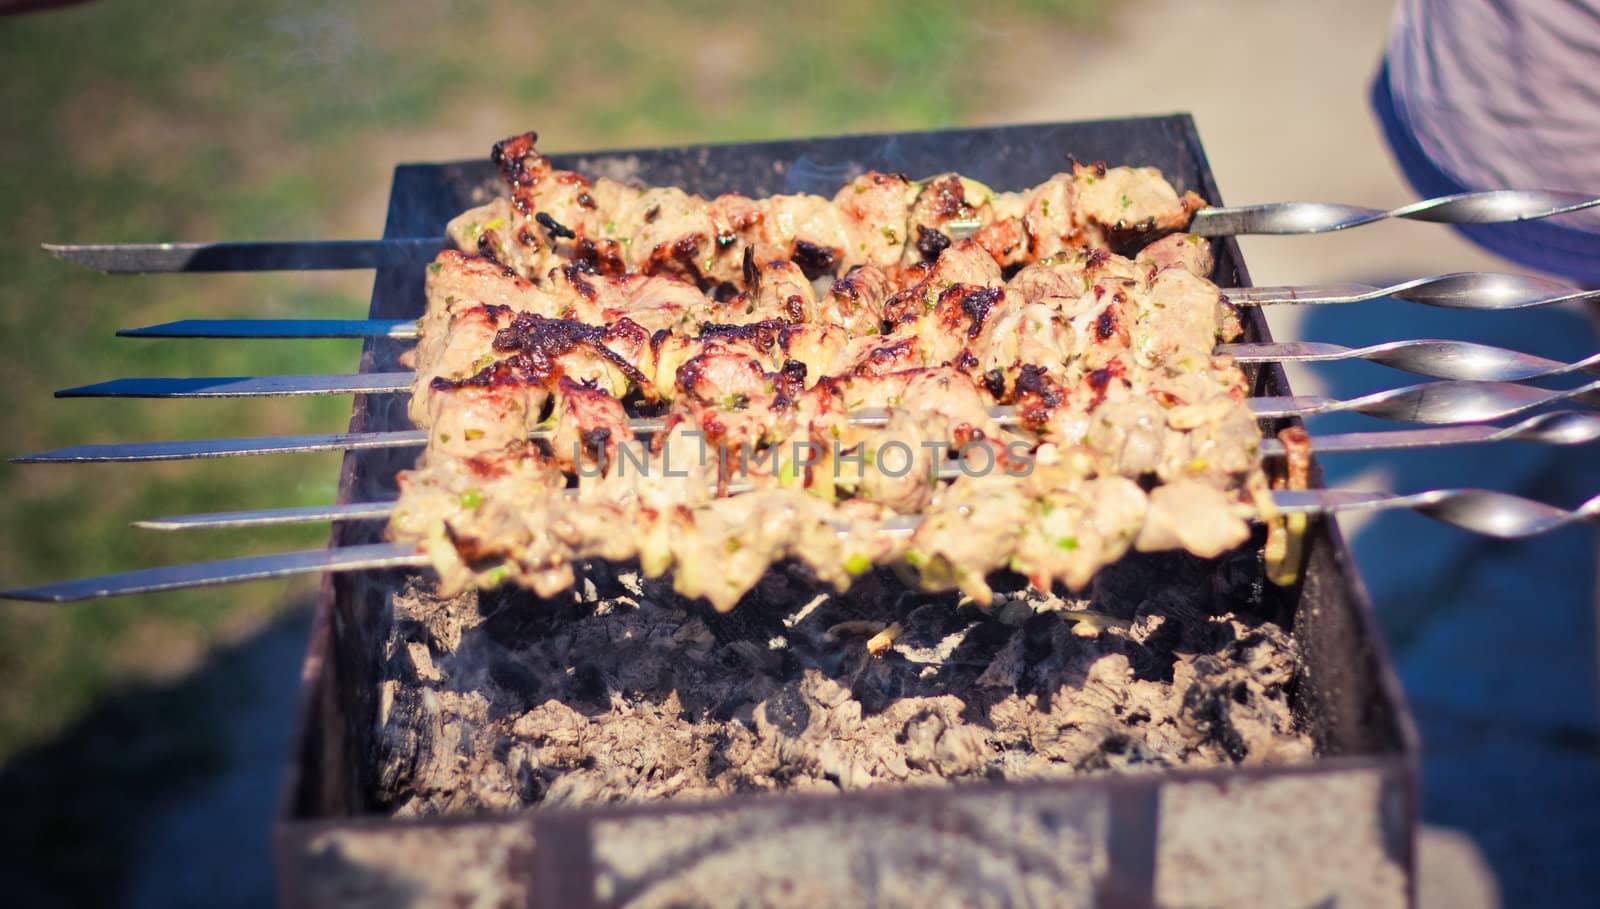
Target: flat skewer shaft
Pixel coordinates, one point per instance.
(289, 255)
(271, 517)
(185, 450)
(226, 571)
(400, 329)
(245, 386)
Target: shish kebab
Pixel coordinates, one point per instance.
(1437, 358)
(1485, 511)
(1273, 218)
(936, 248)
(1091, 349)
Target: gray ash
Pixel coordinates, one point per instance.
(624, 691)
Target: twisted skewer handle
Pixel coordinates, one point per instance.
(1440, 359)
(1432, 402)
(1495, 514)
(1562, 427)
(1497, 205)
(1459, 290)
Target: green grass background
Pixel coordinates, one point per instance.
(123, 120)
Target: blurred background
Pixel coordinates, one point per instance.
(142, 740)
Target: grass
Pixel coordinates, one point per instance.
(122, 120)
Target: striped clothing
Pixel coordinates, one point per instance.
(1488, 94)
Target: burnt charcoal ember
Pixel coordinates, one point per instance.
(1206, 712)
(787, 711)
(620, 690)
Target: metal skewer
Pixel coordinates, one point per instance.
(1323, 217)
(1459, 290)
(1559, 428)
(245, 386)
(1429, 402)
(186, 450)
(1461, 360)
(1482, 511)
(225, 571)
(272, 517)
(1272, 218)
(287, 255)
(399, 329)
(1565, 427)
(1465, 290)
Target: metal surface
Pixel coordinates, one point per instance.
(1322, 217)
(225, 571)
(1459, 360)
(276, 328)
(288, 255)
(1459, 290)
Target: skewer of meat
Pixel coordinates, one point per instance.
(509, 517)
(556, 217)
(953, 297)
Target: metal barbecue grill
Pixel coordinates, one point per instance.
(1365, 773)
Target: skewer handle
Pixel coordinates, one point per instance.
(1498, 205)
